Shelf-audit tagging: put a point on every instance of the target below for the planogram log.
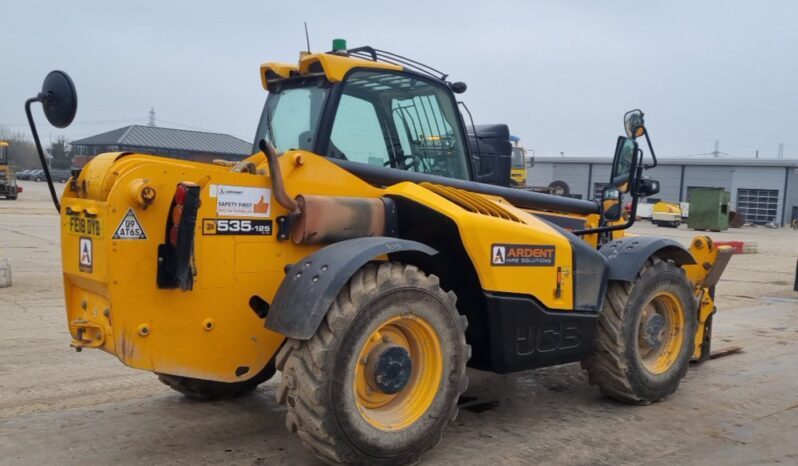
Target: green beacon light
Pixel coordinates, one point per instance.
(339, 46)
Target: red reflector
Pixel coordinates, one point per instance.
(177, 212)
(180, 194)
(173, 235)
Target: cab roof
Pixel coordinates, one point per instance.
(332, 67)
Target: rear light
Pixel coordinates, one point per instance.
(176, 255)
(19, 189)
(173, 235)
(180, 194)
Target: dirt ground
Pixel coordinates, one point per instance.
(62, 407)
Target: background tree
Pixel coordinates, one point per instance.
(61, 153)
(21, 151)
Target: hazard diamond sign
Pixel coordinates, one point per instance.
(129, 228)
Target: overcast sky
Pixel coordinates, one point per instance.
(560, 73)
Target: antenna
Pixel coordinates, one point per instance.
(307, 37)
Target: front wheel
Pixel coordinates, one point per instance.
(646, 335)
(379, 381)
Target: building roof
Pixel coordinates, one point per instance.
(711, 161)
(168, 138)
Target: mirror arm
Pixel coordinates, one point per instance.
(632, 213)
(650, 149)
(604, 229)
(41, 98)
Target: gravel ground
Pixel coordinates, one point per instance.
(58, 406)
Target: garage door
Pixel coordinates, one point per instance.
(759, 206)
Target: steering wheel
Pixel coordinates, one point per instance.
(404, 159)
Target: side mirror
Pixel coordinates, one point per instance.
(647, 187)
(60, 103)
(611, 205)
(59, 99)
(624, 163)
(634, 124)
(458, 87)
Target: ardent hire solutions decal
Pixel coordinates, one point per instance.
(522, 254)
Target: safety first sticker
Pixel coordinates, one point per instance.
(241, 201)
(129, 227)
(522, 254)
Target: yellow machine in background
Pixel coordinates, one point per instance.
(519, 163)
(666, 214)
(355, 253)
(8, 183)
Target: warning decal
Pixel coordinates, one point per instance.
(85, 256)
(129, 228)
(522, 254)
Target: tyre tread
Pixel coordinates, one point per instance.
(301, 388)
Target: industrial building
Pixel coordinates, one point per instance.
(198, 146)
(764, 190)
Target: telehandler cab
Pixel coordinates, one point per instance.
(355, 253)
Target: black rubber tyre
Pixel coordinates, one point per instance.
(318, 375)
(209, 390)
(616, 365)
(561, 188)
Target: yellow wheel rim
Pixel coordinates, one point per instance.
(661, 332)
(395, 411)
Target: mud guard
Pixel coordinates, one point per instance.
(626, 256)
(311, 285)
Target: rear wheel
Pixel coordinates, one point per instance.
(379, 381)
(646, 335)
(560, 188)
(210, 390)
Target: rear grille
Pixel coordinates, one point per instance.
(471, 202)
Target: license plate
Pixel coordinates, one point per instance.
(85, 226)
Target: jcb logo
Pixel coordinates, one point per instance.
(551, 336)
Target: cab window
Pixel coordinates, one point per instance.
(357, 132)
(291, 115)
(518, 157)
(399, 121)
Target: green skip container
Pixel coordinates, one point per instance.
(709, 209)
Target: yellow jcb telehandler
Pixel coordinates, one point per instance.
(8, 182)
(356, 253)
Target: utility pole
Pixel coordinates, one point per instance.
(716, 152)
(781, 150)
(757, 154)
(152, 117)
